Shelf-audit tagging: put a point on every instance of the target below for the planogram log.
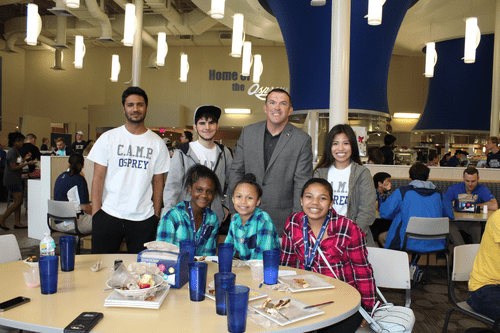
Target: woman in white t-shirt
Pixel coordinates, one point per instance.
(354, 196)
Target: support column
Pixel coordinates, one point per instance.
(339, 66)
(137, 48)
(495, 93)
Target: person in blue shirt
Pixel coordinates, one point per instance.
(251, 230)
(420, 198)
(481, 196)
(193, 219)
(454, 161)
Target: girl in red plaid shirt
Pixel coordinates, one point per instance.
(341, 240)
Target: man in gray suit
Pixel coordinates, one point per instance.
(279, 155)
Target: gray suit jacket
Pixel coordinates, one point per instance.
(288, 170)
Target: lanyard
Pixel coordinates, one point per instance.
(203, 227)
(309, 256)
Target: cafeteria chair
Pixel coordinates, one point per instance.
(64, 211)
(429, 228)
(9, 249)
(390, 270)
(463, 261)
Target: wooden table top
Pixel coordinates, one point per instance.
(81, 290)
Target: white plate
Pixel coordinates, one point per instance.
(252, 296)
(294, 312)
(139, 292)
(315, 282)
(32, 264)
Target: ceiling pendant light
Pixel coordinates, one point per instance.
(73, 3)
(472, 39)
(33, 25)
(257, 68)
(246, 59)
(375, 12)
(184, 67)
(129, 28)
(238, 35)
(162, 49)
(79, 51)
(430, 59)
(115, 68)
(217, 11)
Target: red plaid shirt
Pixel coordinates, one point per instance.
(344, 246)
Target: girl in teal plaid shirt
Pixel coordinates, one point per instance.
(194, 220)
(251, 231)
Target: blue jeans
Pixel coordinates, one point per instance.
(486, 300)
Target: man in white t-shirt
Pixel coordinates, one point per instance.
(203, 151)
(129, 163)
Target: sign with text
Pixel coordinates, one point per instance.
(254, 89)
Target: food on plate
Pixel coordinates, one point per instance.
(301, 282)
(266, 302)
(32, 259)
(201, 258)
(283, 304)
(146, 281)
(211, 292)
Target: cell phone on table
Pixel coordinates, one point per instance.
(12, 303)
(84, 322)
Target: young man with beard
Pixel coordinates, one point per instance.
(129, 164)
(203, 151)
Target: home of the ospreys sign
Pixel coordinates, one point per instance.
(241, 83)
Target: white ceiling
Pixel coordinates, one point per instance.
(427, 20)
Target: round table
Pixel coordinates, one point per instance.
(81, 290)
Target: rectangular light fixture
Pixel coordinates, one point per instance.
(161, 49)
(79, 51)
(238, 111)
(32, 25)
(246, 63)
(184, 67)
(217, 10)
(430, 59)
(115, 68)
(237, 42)
(257, 68)
(129, 28)
(406, 115)
(472, 38)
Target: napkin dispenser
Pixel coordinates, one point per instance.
(174, 265)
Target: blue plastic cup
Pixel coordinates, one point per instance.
(187, 245)
(225, 253)
(67, 246)
(48, 267)
(197, 280)
(237, 305)
(222, 281)
(271, 266)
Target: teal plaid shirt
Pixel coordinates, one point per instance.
(175, 226)
(256, 236)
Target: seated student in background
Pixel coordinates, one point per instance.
(481, 196)
(320, 228)
(71, 186)
(454, 161)
(433, 160)
(382, 182)
(484, 282)
(251, 230)
(194, 219)
(445, 159)
(420, 198)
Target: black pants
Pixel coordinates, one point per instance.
(348, 325)
(108, 233)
